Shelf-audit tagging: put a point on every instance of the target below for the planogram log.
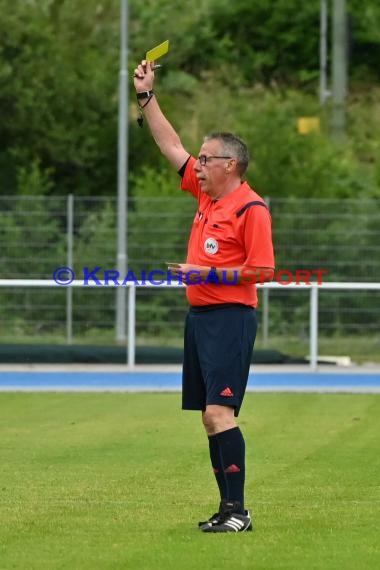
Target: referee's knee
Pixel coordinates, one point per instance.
(218, 418)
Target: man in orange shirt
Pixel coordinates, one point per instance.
(230, 248)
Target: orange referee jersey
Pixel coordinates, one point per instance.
(230, 232)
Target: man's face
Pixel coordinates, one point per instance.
(212, 176)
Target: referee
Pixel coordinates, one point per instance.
(229, 250)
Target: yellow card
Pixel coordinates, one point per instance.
(157, 51)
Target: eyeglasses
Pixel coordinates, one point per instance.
(203, 158)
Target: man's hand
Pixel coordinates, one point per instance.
(189, 273)
(143, 78)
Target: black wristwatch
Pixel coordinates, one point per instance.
(214, 273)
(144, 94)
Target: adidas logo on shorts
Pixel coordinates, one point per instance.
(227, 392)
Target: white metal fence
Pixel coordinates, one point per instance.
(39, 234)
(314, 290)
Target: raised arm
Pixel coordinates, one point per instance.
(162, 131)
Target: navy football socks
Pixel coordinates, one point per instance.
(227, 454)
(217, 465)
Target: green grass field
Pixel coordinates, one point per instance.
(119, 481)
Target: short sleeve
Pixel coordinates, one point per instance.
(258, 237)
(189, 182)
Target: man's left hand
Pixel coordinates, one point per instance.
(188, 272)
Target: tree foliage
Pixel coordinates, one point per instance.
(59, 64)
(58, 105)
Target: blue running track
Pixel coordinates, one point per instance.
(171, 381)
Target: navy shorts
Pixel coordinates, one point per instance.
(219, 341)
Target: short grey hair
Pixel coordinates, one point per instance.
(233, 146)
